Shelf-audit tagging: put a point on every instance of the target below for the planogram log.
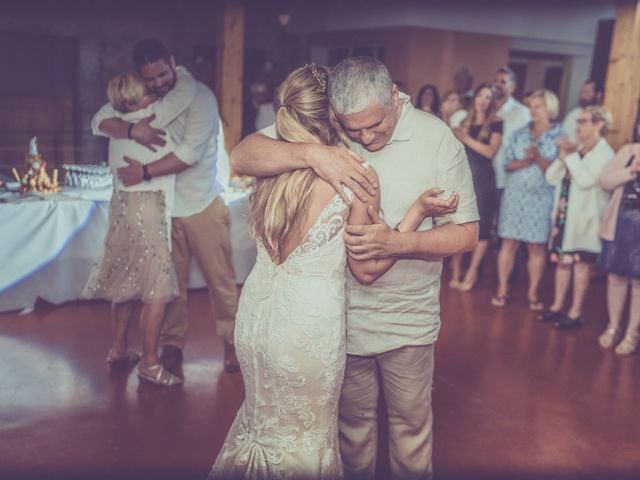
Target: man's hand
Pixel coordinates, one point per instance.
(132, 173)
(340, 167)
(146, 135)
(365, 242)
(432, 206)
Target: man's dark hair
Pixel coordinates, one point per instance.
(512, 75)
(598, 85)
(149, 51)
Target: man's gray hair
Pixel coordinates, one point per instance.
(356, 83)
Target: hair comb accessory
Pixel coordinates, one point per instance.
(321, 77)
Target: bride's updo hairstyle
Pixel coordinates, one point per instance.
(280, 204)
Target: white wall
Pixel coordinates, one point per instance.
(562, 27)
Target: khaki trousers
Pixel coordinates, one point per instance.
(205, 236)
(407, 376)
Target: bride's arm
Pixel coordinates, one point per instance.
(368, 271)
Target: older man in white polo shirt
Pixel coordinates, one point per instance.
(393, 323)
(201, 225)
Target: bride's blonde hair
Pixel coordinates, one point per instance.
(280, 204)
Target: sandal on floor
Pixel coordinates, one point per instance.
(467, 286)
(628, 345)
(499, 300)
(158, 375)
(535, 305)
(127, 358)
(455, 284)
(609, 337)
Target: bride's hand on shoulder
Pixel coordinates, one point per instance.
(429, 205)
(340, 167)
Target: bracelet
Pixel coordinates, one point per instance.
(129, 131)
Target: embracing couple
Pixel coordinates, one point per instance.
(313, 346)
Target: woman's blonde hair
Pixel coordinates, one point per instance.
(599, 113)
(550, 100)
(124, 91)
(280, 204)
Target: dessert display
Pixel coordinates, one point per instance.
(34, 177)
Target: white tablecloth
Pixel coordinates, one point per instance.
(47, 246)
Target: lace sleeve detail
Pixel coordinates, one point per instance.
(331, 223)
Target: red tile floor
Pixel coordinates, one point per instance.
(513, 398)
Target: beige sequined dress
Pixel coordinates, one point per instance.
(135, 263)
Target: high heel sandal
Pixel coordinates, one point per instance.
(466, 286)
(628, 345)
(609, 337)
(535, 305)
(499, 300)
(158, 375)
(129, 357)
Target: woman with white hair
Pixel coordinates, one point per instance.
(527, 201)
(579, 205)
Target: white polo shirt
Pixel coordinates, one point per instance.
(402, 307)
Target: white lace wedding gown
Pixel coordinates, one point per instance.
(290, 341)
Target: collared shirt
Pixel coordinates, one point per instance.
(194, 129)
(515, 116)
(403, 306)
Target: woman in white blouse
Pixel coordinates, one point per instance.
(578, 208)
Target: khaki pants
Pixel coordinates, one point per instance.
(205, 236)
(407, 375)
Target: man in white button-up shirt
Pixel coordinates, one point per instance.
(393, 323)
(200, 226)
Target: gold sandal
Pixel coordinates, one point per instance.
(129, 357)
(499, 301)
(609, 337)
(628, 345)
(158, 375)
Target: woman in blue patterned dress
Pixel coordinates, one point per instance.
(525, 208)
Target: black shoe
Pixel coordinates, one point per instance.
(567, 323)
(550, 316)
(171, 356)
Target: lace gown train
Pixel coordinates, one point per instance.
(290, 341)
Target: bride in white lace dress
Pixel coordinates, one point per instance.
(290, 325)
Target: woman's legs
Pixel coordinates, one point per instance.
(535, 266)
(561, 287)
(456, 270)
(506, 259)
(121, 315)
(617, 289)
(476, 259)
(581, 278)
(150, 323)
(630, 341)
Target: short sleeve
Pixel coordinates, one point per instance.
(454, 175)
(497, 127)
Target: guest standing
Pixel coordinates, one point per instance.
(514, 116)
(591, 93)
(481, 134)
(525, 208)
(578, 208)
(620, 257)
(452, 109)
(428, 100)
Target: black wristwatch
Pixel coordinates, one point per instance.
(146, 176)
